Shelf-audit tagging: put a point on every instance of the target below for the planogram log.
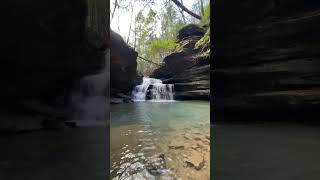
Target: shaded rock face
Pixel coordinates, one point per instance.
(186, 68)
(123, 62)
(189, 31)
(266, 58)
(44, 48)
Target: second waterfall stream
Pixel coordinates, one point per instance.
(153, 89)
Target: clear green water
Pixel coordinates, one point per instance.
(141, 131)
(264, 151)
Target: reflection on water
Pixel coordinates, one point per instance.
(266, 151)
(160, 140)
(67, 154)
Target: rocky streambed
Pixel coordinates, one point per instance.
(147, 143)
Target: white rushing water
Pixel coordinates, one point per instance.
(153, 89)
(89, 101)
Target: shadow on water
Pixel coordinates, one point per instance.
(266, 150)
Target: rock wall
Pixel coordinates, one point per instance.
(123, 71)
(46, 46)
(186, 68)
(266, 59)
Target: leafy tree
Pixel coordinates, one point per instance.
(152, 31)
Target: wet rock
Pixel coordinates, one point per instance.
(116, 100)
(156, 164)
(133, 171)
(125, 98)
(187, 136)
(208, 137)
(186, 68)
(176, 145)
(195, 160)
(43, 60)
(206, 142)
(149, 93)
(197, 138)
(53, 123)
(195, 146)
(123, 60)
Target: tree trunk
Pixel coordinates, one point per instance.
(186, 9)
(135, 33)
(201, 7)
(184, 19)
(114, 9)
(130, 24)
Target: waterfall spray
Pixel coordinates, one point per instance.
(152, 89)
(89, 101)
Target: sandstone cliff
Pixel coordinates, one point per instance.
(186, 67)
(123, 70)
(266, 59)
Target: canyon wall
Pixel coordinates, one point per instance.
(46, 46)
(266, 59)
(186, 67)
(123, 71)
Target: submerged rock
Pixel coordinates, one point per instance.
(133, 171)
(195, 160)
(156, 164)
(116, 100)
(195, 146)
(176, 145)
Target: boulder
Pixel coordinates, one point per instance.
(195, 160)
(123, 63)
(190, 30)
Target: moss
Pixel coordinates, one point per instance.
(206, 53)
(204, 42)
(205, 19)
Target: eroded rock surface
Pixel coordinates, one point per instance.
(266, 59)
(123, 71)
(186, 68)
(195, 160)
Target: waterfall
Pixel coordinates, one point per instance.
(152, 89)
(89, 100)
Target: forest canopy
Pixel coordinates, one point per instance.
(151, 26)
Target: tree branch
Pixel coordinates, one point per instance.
(114, 9)
(149, 61)
(186, 9)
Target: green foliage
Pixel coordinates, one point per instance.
(162, 45)
(204, 42)
(152, 45)
(206, 17)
